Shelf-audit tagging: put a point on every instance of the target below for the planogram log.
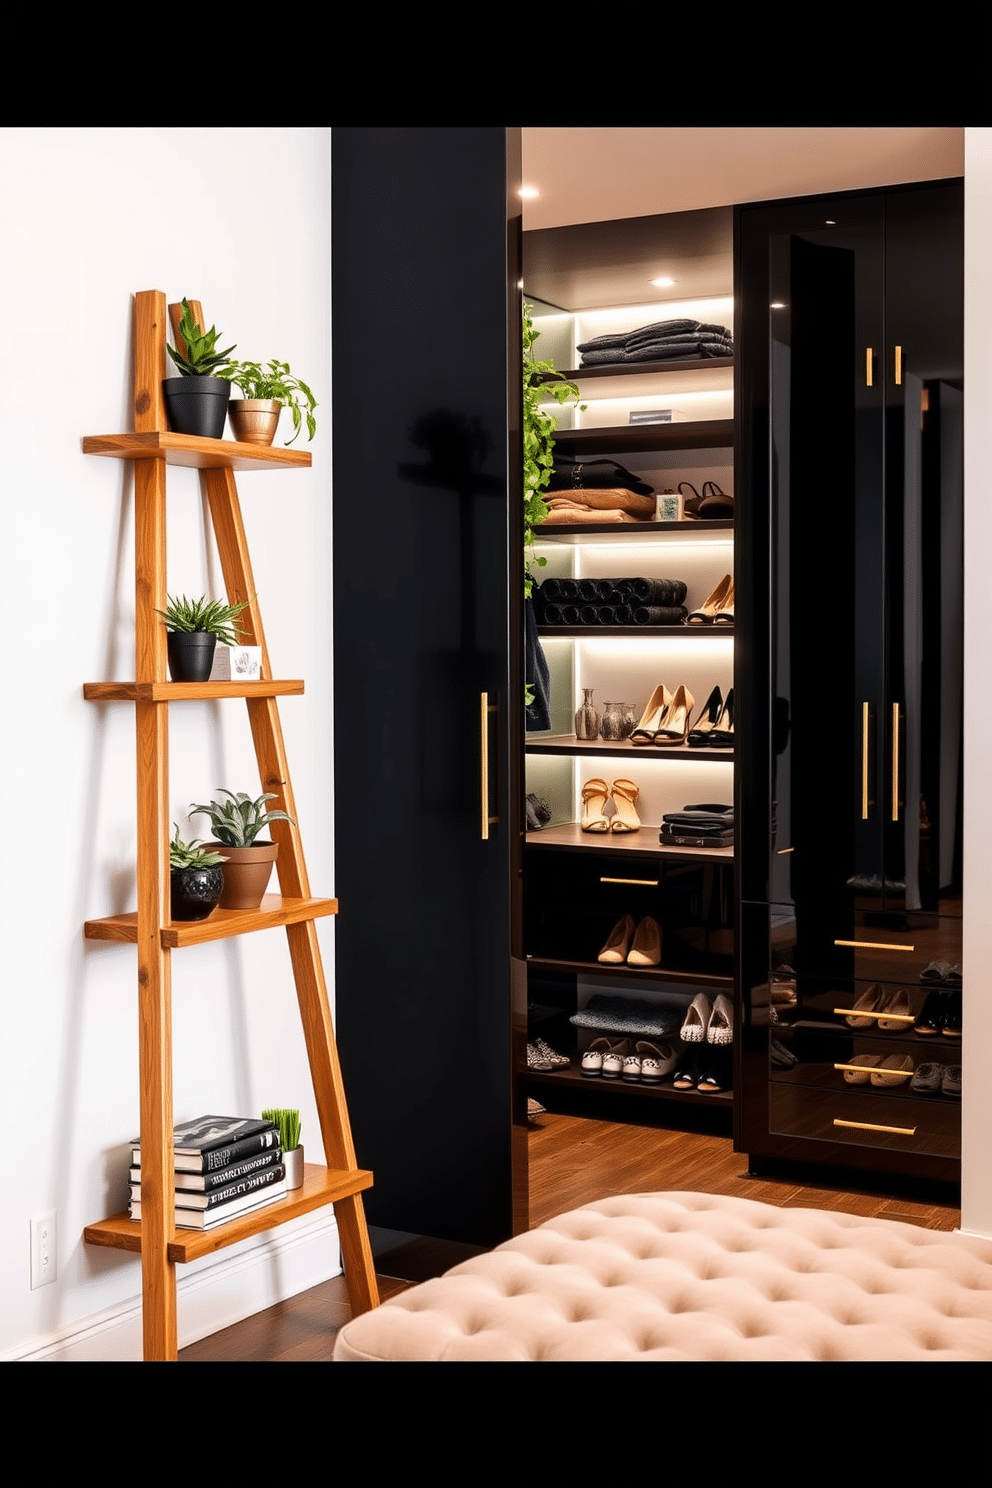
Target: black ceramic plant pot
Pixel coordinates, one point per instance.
(191, 654)
(197, 405)
(195, 892)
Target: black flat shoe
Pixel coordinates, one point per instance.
(931, 1019)
(687, 1071)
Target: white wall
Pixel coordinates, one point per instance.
(240, 220)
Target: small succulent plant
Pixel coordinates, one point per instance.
(200, 359)
(238, 821)
(191, 854)
(204, 615)
(288, 1123)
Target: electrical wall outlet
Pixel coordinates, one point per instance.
(44, 1235)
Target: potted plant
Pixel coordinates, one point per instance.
(195, 626)
(288, 1123)
(237, 823)
(197, 399)
(267, 390)
(196, 879)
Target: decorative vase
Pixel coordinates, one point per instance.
(611, 726)
(293, 1162)
(586, 718)
(191, 654)
(197, 405)
(631, 718)
(246, 872)
(194, 893)
(254, 420)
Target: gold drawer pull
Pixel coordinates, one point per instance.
(860, 1013)
(890, 1074)
(899, 1131)
(874, 945)
(868, 365)
(864, 754)
(895, 762)
(898, 368)
(485, 707)
(648, 883)
(781, 851)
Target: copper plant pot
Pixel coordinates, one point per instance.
(254, 420)
(247, 871)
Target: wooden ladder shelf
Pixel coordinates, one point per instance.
(341, 1183)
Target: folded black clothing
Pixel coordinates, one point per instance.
(663, 351)
(700, 819)
(659, 614)
(627, 1015)
(696, 836)
(658, 328)
(570, 475)
(650, 336)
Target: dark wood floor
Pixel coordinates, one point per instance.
(574, 1159)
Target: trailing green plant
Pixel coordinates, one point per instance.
(541, 381)
(200, 358)
(191, 854)
(276, 381)
(288, 1123)
(237, 822)
(204, 615)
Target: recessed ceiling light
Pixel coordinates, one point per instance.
(777, 305)
(529, 191)
(662, 283)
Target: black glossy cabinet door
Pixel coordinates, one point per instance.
(426, 358)
(849, 680)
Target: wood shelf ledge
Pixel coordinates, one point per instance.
(195, 452)
(220, 925)
(321, 1186)
(178, 692)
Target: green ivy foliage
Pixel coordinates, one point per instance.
(541, 381)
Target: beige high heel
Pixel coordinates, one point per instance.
(625, 794)
(614, 952)
(722, 595)
(659, 703)
(725, 611)
(646, 947)
(676, 725)
(594, 794)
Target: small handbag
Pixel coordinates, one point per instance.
(572, 475)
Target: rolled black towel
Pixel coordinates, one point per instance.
(560, 590)
(656, 591)
(595, 591)
(659, 614)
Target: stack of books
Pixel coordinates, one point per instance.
(225, 1166)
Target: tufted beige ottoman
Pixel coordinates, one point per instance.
(696, 1276)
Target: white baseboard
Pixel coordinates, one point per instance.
(232, 1286)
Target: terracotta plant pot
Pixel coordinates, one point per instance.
(254, 420)
(246, 873)
(197, 405)
(191, 654)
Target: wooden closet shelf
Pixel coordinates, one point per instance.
(622, 748)
(692, 633)
(220, 925)
(194, 451)
(575, 533)
(703, 434)
(178, 692)
(574, 1078)
(621, 972)
(320, 1186)
(570, 837)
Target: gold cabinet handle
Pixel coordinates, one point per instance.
(874, 945)
(898, 366)
(864, 761)
(869, 359)
(648, 883)
(890, 1075)
(860, 1013)
(895, 762)
(486, 707)
(900, 1131)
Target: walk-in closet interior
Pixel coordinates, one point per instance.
(722, 850)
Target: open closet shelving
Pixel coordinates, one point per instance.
(565, 866)
(150, 929)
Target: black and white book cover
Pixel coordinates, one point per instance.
(203, 1219)
(252, 1183)
(207, 1182)
(213, 1142)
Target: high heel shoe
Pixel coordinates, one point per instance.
(646, 949)
(660, 702)
(594, 794)
(625, 794)
(713, 602)
(675, 726)
(722, 737)
(614, 952)
(725, 613)
(707, 720)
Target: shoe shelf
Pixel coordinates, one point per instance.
(195, 452)
(692, 373)
(621, 749)
(648, 632)
(582, 533)
(704, 434)
(222, 924)
(570, 837)
(178, 692)
(573, 1078)
(622, 972)
(321, 1186)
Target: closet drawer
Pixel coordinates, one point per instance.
(882, 1119)
(865, 948)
